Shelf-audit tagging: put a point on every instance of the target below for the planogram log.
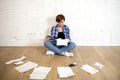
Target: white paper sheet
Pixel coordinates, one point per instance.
(89, 69)
(99, 65)
(18, 63)
(65, 72)
(27, 66)
(63, 42)
(16, 60)
(40, 73)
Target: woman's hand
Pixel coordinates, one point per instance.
(48, 38)
(69, 41)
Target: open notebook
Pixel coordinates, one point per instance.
(63, 42)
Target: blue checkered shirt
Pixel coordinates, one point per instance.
(54, 32)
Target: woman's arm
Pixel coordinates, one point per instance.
(53, 33)
(68, 33)
(48, 37)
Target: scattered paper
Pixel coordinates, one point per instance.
(50, 53)
(40, 73)
(18, 63)
(63, 42)
(27, 66)
(89, 69)
(16, 60)
(65, 72)
(99, 65)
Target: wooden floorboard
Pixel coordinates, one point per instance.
(109, 56)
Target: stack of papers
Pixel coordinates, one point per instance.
(63, 42)
(89, 69)
(40, 73)
(27, 66)
(65, 72)
(16, 60)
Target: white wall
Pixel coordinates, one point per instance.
(92, 22)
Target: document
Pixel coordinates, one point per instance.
(99, 65)
(62, 42)
(25, 67)
(65, 72)
(40, 73)
(89, 69)
(16, 60)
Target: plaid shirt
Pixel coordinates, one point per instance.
(54, 32)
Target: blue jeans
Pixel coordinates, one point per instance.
(51, 45)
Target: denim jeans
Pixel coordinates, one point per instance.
(51, 45)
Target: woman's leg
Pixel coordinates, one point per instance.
(70, 46)
(52, 46)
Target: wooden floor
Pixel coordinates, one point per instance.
(109, 56)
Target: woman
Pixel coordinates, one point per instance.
(60, 31)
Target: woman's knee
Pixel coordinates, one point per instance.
(72, 45)
(46, 42)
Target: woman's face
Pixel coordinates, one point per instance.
(60, 24)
